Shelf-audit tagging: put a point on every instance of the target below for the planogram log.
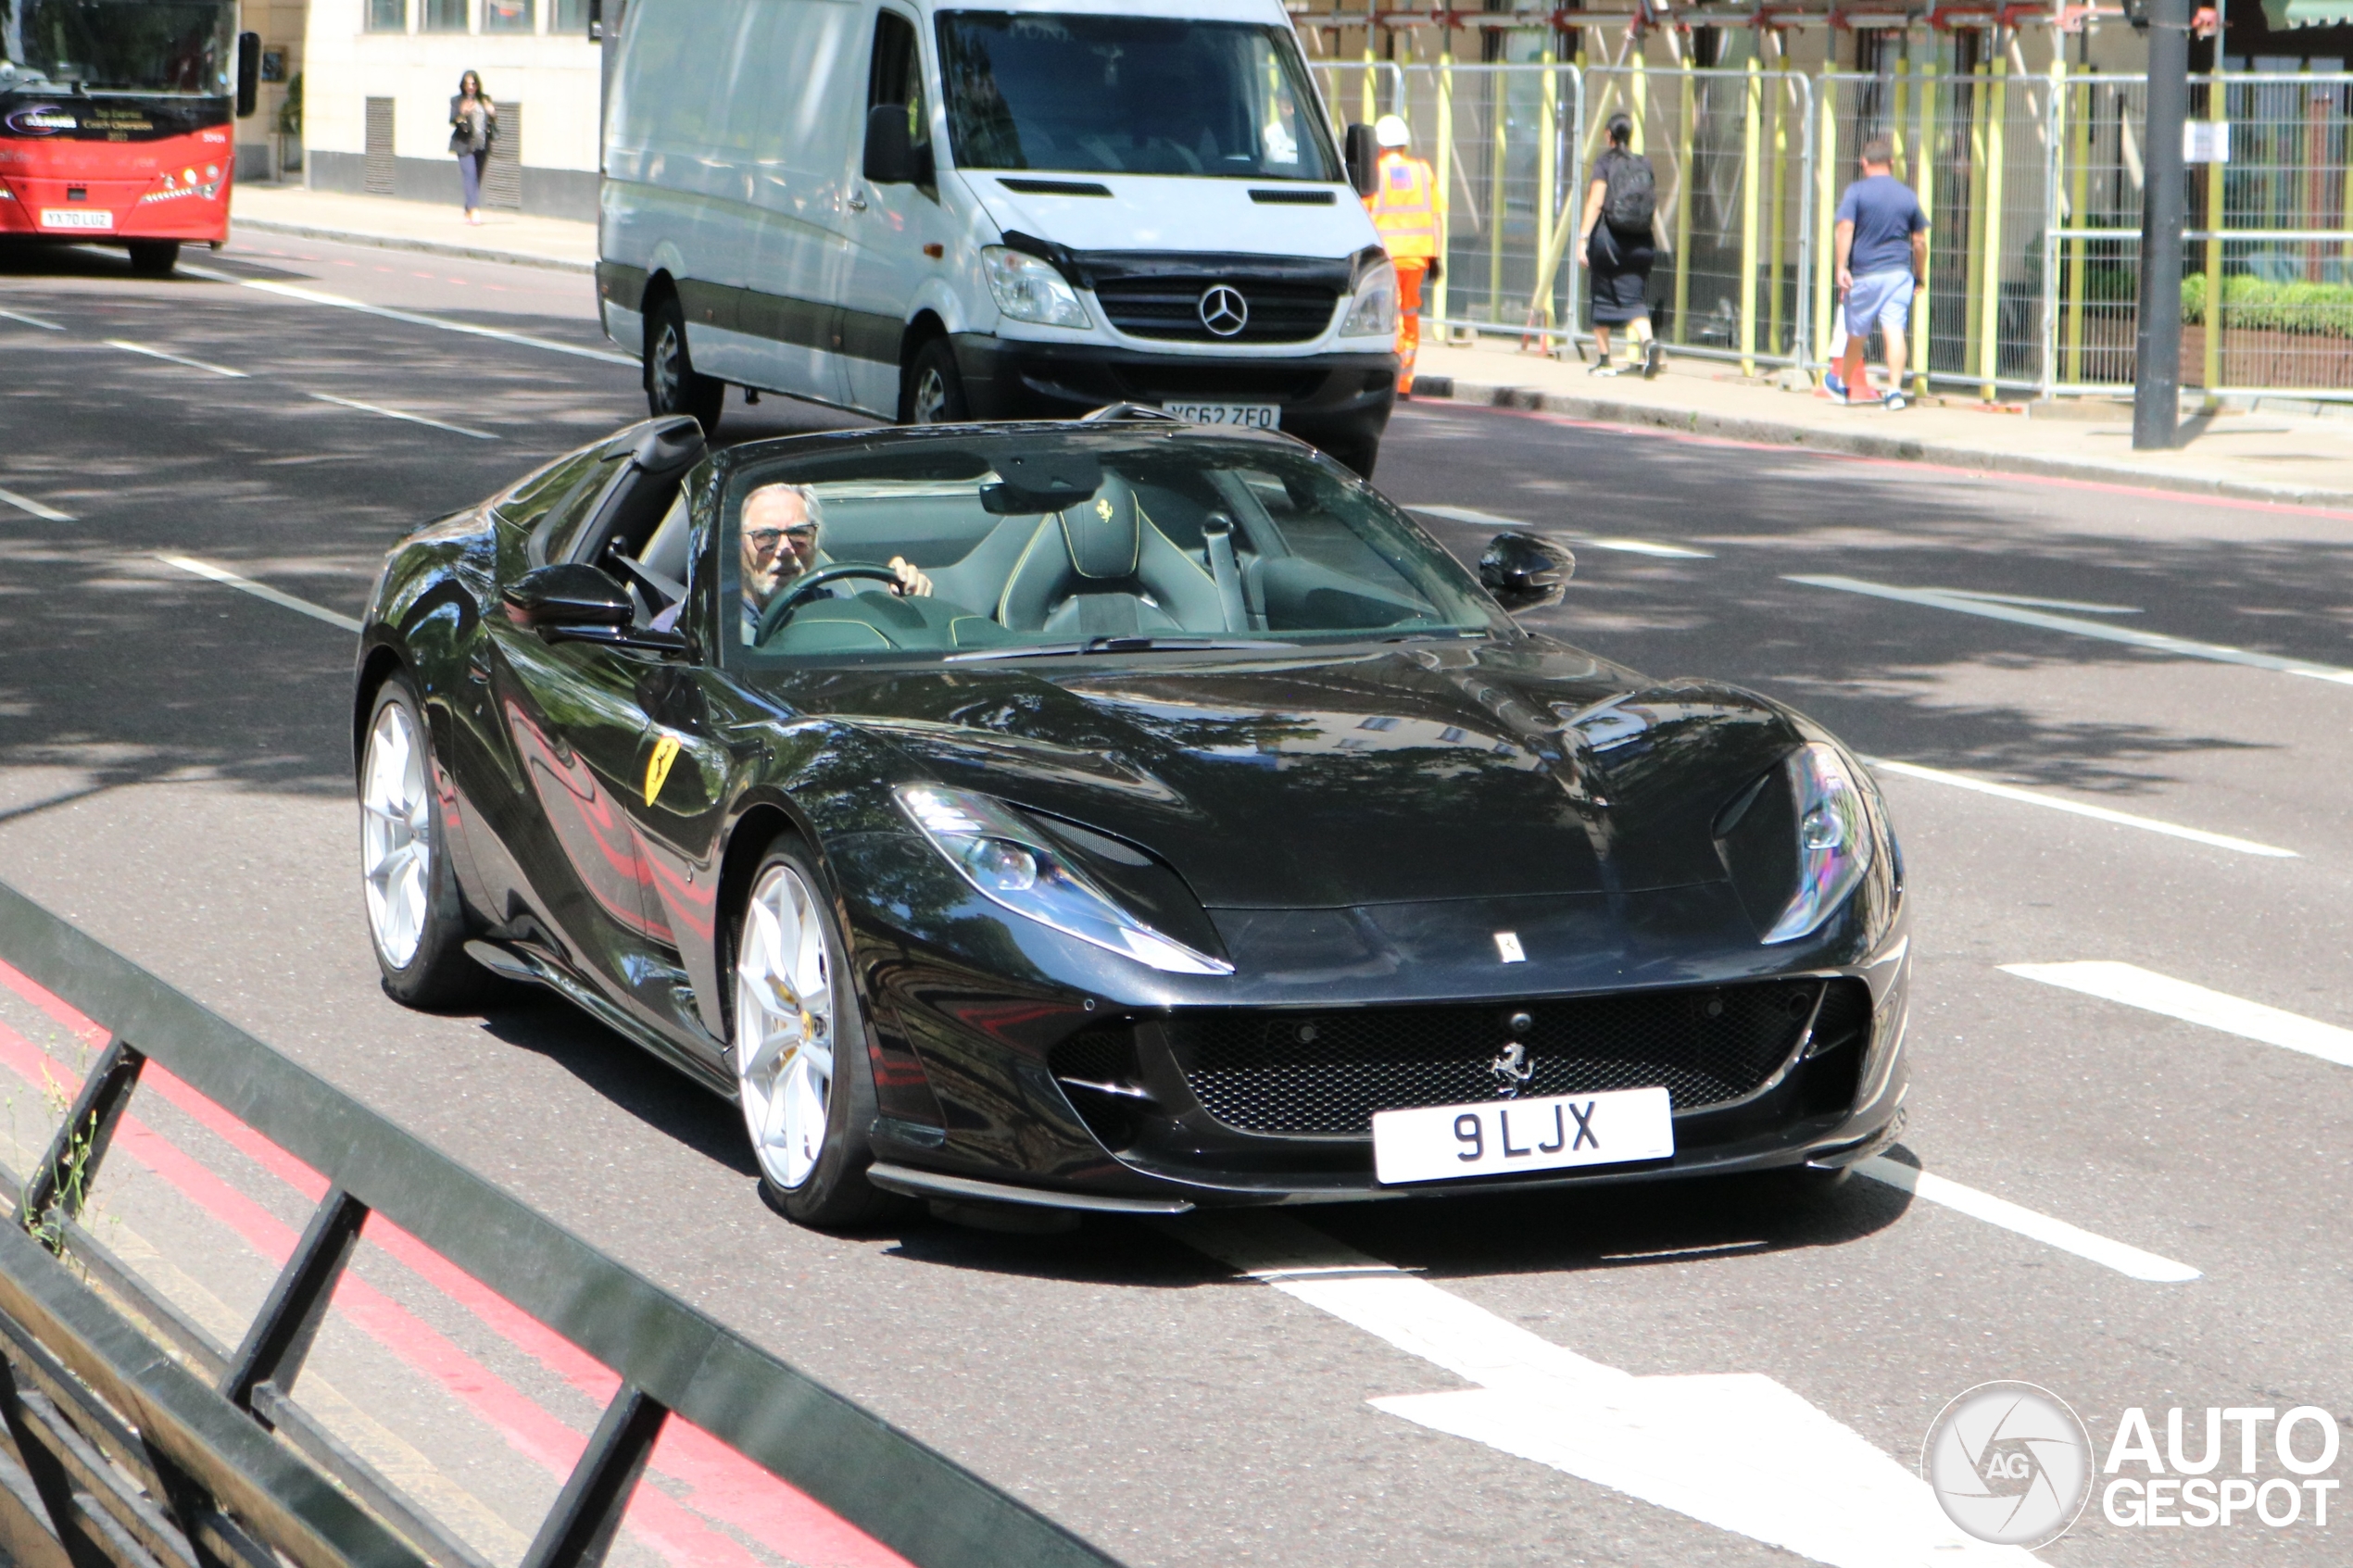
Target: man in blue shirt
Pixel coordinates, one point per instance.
(1882, 257)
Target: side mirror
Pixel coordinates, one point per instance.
(1360, 149)
(249, 73)
(566, 595)
(1525, 572)
(892, 157)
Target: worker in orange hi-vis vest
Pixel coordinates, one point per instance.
(1409, 213)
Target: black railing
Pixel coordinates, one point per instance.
(118, 1451)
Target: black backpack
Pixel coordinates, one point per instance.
(1631, 199)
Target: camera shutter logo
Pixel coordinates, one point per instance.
(1224, 310)
(2009, 1463)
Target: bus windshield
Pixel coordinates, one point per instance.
(161, 47)
(1112, 95)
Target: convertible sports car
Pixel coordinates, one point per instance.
(1116, 815)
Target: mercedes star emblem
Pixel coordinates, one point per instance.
(1224, 310)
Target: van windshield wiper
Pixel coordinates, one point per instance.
(1114, 644)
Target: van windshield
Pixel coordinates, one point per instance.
(1108, 94)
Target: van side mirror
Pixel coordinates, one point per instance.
(892, 157)
(1525, 572)
(249, 73)
(1360, 149)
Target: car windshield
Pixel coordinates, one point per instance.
(1108, 94)
(1010, 544)
(149, 46)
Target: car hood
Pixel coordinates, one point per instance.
(1160, 213)
(1319, 782)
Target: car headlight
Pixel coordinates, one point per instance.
(1029, 288)
(1373, 310)
(1834, 839)
(1010, 864)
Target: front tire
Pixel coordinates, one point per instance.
(154, 258)
(931, 390)
(798, 1038)
(672, 385)
(415, 920)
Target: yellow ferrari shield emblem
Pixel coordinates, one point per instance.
(1102, 507)
(658, 766)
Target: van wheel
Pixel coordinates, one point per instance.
(931, 391)
(154, 258)
(672, 385)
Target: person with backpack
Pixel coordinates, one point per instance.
(1621, 210)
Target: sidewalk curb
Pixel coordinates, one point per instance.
(402, 242)
(1860, 443)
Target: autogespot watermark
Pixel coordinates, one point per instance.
(2011, 1463)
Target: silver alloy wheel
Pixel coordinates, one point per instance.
(668, 352)
(396, 833)
(931, 398)
(784, 1045)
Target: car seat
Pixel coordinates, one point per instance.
(1101, 568)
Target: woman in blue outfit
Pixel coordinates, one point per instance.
(474, 124)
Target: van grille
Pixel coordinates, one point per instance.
(1169, 308)
(1327, 1074)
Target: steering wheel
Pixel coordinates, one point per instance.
(789, 598)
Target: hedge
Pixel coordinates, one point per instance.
(2260, 304)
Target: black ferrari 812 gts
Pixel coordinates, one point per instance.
(1116, 815)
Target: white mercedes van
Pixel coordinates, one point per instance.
(929, 212)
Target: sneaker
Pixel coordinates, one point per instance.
(1603, 368)
(1653, 357)
(1895, 401)
(1832, 385)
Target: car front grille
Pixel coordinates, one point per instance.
(1327, 1074)
(1169, 308)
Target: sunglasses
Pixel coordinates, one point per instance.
(764, 541)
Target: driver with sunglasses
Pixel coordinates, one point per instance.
(781, 526)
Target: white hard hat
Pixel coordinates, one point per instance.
(1390, 131)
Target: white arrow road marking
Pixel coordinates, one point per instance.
(2015, 1217)
(2077, 807)
(27, 503)
(1940, 599)
(222, 575)
(2178, 998)
(1624, 547)
(320, 296)
(1735, 1450)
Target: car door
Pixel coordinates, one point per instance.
(897, 233)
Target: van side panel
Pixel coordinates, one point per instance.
(806, 106)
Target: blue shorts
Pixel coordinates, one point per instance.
(1878, 299)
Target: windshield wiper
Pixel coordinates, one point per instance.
(1114, 644)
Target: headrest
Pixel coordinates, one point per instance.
(1105, 534)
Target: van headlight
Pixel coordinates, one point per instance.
(1834, 839)
(1029, 288)
(1372, 311)
(1010, 864)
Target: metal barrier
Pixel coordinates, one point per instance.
(185, 1454)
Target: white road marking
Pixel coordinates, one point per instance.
(2077, 605)
(2130, 1261)
(317, 296)
(1938, 598)
(27, 503)
(31, 321)
(1736, 1451)
(2178, 998)
(2077, 808)
(1624, 547)
(258, 590)
(151, 353)
(396, 414)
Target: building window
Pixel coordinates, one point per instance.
(569, 18)
(446, 16)
(387, 16)
(508, 16)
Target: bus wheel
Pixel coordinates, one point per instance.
(154, 258)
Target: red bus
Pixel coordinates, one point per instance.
(115, 121)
